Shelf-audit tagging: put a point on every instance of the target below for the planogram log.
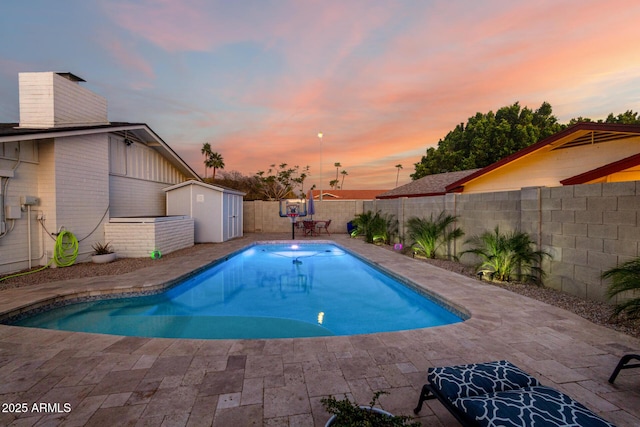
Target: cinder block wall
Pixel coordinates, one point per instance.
(264, 216)
(587, 228)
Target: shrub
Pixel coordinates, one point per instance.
(430, 235)
(625, 278)
(508, 255)
(376, 228)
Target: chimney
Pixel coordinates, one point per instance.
(53, 100)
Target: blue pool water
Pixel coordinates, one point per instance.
(265, 291)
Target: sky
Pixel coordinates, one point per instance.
(382, 80)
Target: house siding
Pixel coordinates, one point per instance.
(82, 189)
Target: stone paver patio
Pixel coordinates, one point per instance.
(113, 380)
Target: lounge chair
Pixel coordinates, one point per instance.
(622, 364)
(501, 394)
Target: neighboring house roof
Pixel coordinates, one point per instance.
(204, 185)
(12, 132)
(347, 194)
(585, 133)
(598, 173)
(430, 185)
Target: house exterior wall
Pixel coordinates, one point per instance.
(135, 197)
(137, 176)
(548, 168)
(14, 246)
(80, 194)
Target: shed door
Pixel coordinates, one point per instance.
(233, 216)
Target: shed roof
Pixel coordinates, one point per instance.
(218, 188)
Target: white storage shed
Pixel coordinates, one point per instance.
(217, 211)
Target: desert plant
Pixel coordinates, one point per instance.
(349, 414)
(102, 248)
(429, 235)
(376, 228)
(625, 278)
(507, 255)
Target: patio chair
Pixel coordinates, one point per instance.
(309, 228)
(622, 364)
(323, 225)
(500, 393)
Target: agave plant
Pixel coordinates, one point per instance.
(429, 235)
(508, 255)
(625, 278)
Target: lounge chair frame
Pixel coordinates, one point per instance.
(429, 393)
(623, 364)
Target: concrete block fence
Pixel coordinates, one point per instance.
(587, 228)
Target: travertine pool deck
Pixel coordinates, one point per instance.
(113, 380)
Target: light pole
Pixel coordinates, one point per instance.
(320, 186)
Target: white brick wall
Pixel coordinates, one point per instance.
(137, 240)
(50, 100)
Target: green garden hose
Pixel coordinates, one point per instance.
(65, 250)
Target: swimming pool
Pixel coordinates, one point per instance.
(264, 291)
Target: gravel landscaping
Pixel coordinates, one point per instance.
(596, 312)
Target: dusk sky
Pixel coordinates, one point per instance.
(383, 80)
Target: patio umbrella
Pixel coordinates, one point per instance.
(311, 209)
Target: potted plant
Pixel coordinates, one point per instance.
(346, 413)
(102, 253)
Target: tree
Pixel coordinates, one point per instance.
(398, 166)
(215, 161)
(206, 151)
(334, 184)
(487, 138)
(343, 173)
(337, 166)
(280, 182)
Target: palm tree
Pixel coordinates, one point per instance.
(399, 166)
(334, 184)
(337, 165)
(507, 255)
(206, 151)
(625, 280)
(430, 235)
(216, 162)
(343, 173)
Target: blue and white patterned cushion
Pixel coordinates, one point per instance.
(530, 406)
(479, 378)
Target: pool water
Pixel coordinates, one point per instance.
(265, 291)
